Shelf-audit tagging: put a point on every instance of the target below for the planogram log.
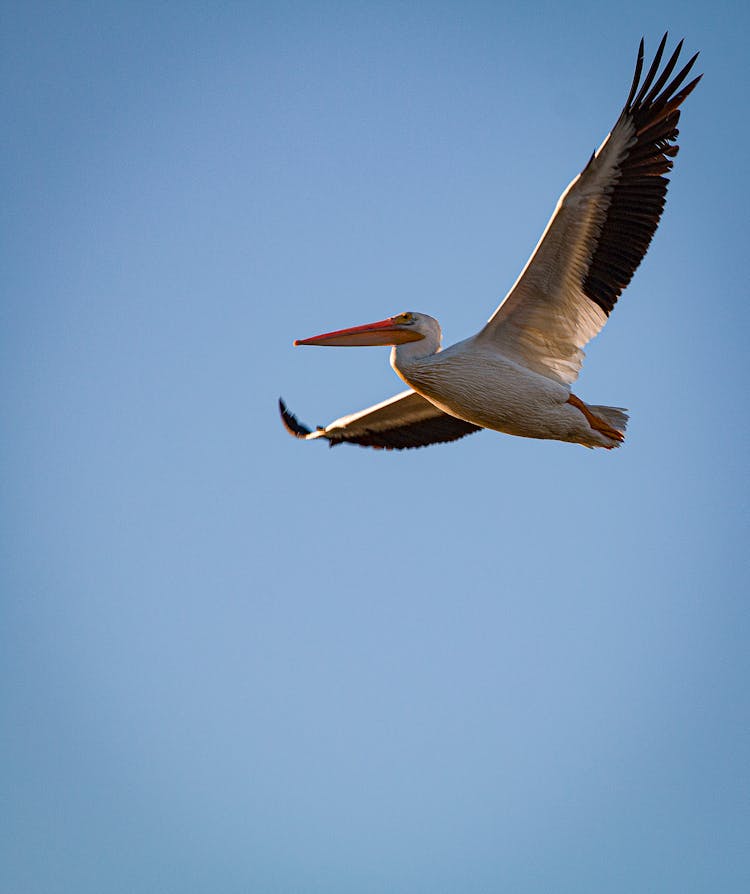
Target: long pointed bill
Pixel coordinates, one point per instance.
(385, 332)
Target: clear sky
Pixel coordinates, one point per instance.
(235, 662)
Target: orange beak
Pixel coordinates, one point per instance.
(384, 332)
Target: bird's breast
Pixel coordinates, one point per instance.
(486, 389)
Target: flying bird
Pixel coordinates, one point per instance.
(515, 374)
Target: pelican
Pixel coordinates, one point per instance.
(515, 375)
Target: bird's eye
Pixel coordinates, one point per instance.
(405, 318)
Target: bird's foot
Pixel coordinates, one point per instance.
(596, 422)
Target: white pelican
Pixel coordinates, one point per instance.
(515, 374)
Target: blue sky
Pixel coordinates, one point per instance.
(235, 662)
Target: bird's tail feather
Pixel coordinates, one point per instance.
(614, 416)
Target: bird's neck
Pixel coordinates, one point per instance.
(406, 355)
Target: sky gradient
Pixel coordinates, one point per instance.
(235, 662)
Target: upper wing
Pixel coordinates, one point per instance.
(406, 420)
(600, 231)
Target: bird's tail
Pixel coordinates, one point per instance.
(614, 416)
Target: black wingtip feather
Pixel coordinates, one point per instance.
(637, 75)
(637, 200)
(291, 424)
(653, 68)
(667, 71)
(668, 94)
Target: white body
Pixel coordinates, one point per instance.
(473, 382)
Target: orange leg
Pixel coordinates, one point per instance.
(596, 422)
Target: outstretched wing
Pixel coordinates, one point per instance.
(406, 420)
(599, 233)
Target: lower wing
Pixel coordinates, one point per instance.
(405, 420)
